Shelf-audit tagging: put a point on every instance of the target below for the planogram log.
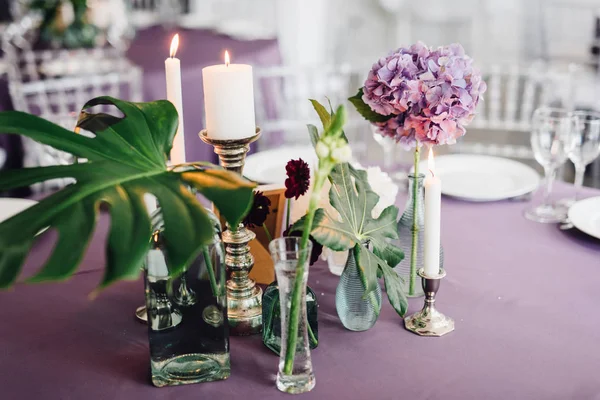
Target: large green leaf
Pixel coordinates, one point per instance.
(354, 200)
(125, 160)
(393, 288)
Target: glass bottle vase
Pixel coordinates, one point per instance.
(187, 316)
(271, 332)
(407, 269)
(295, 373)
(356, 312)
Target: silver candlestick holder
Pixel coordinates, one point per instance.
(429, 321)
(244, 298)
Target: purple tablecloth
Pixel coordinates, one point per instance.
(524, 297)
(197, 49)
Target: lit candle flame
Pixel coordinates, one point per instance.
(431, 162)
(227, 58)
(174, 45)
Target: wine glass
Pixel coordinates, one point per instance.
(552, 140)
(388, 145)
(586, 146)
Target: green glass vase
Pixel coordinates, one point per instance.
(271, 332)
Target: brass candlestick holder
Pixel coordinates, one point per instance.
(244, 298)
(429, 321)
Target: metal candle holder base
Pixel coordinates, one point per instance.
(429, 321)
(244, 298)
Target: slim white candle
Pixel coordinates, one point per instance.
(229, 100)
(173, 74)
(433, 206)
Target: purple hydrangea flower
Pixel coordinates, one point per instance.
(431, 94)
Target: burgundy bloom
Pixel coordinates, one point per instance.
(317, 249)
(259, 211)
(298, 178)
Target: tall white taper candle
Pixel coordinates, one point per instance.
(433, 206)
(173, 74)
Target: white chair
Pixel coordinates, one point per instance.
(55, 84)
(146, 13)
(503, 121)
(282, 96)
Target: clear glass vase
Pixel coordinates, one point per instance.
(407, 269)
(271, 332)
(356, 312)
(295, 373)
(187, 316)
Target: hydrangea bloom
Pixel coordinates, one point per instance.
(430, 94)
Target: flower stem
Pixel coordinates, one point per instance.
(294, 313)
(269, 237)
(415, 227)
(211, 272)
(288, 212)
(311, 334)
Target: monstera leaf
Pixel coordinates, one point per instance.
(126, 158)
(355, 229)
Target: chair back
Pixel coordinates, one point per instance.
(503, 121)
(55, 84)
(282, 96)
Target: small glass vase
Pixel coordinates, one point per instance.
(295, 373)
(356, 312)
(271, 332)
(407, 269)
(187, 316)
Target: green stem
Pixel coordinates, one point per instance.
(294, 318)
(288, 212)
(269, 237)
(311, 334)
(211, 272)
(415, 227)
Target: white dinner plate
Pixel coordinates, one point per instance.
(269, 166)
(585, 216)
(483, 178)
(10, 207)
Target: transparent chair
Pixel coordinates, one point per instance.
(502, 124)
(55, 84)
(283, 108)
(146, 13)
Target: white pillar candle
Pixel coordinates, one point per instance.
(229, 100)
(156, 264)
(433, 206)
(173, 73)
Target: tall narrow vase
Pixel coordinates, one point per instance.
(410, 227)
(187, 316)
(295, 373)
(357, 312)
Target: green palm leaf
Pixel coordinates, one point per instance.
(125, 160)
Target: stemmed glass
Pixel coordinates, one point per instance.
(552, 140)
(586, 146)
(389, 147)
(387, 144)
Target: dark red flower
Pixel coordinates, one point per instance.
(298, 178)
(317, 249)
(259, 211)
